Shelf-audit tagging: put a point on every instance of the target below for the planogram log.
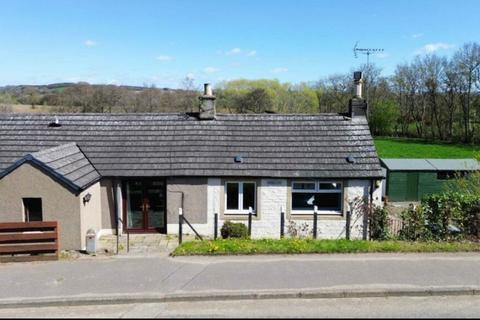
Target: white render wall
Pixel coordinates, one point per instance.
(272, 195)
(90, 212)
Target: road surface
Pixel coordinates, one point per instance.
(398, 307)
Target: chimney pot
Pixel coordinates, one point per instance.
(357, 105)
(358, 80)
(207, 103)
(207, 89)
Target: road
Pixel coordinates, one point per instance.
(398, 307)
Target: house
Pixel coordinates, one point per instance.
(411, 179)
(132, 172)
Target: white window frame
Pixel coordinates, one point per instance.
(240, 198)
(317, 190)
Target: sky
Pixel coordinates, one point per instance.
(161, 43)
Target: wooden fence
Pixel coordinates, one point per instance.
(29, 241)
(395, 225)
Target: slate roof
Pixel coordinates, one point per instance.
(66, 163)
(271, 145)
(431, 164)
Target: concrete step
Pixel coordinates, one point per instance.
(139, 243)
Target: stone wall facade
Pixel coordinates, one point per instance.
(274, 195)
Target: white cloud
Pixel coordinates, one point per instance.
(280, 70)
(382, 55)
(433, 47)
(164, 58)
(190, 76)
(238, 52)
(234, 51)
(211, 70)
(416, 35)
(90, 43)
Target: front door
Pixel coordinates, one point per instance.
(412, 186)
(145, 206)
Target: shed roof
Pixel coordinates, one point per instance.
(271, 145)
(430, 164)
(455, 164)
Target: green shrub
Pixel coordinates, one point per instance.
(234, 230)
(379, 224)
(451, 208)
(414, 227)
(439, 213)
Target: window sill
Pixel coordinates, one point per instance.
(238, 216)
(319, 213)
(320, 216)
(238, 213)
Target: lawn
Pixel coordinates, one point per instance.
(406, 148)
(299, 246)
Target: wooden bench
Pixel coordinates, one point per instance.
(29, 241)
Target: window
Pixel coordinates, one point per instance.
(239, 196)
(327, 196)
(448, 175)
(33, 209)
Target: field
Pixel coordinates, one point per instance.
(406, 148)
(26, 108)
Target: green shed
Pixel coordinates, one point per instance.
(411, 179)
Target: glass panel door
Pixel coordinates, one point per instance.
(155, 195)
(135, 215)
(145, 205)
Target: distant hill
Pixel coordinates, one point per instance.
(63, 85)
(85, 97)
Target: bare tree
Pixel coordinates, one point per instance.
(431, 75)
(467, 60)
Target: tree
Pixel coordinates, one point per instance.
(336, 92)
(256, 101)
(189, 96)
(431, 75)
(33, 97)
(451, 88)
(467, 60)
(383, 116)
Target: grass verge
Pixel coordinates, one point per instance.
(299, 246)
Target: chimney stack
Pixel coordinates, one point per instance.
(358, 105)
(207, 103)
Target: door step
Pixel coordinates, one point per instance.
(139, 243)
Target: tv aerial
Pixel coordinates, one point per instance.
(365, 51)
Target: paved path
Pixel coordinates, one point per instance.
(397, 307)
(133, 276)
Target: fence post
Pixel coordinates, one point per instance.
(250, 221)
(128, 241)
(282, 223)
(347, 225)
(215, 225)
(315, 217)
(180, 222)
